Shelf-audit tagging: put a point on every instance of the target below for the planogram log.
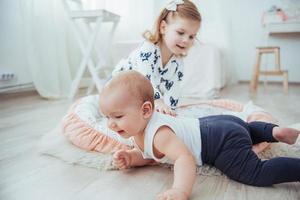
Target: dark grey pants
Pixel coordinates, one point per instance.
(227, 144)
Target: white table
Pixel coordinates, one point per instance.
(89, 21)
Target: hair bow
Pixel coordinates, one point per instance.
(172, 5)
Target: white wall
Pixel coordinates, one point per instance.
(247, 33)
(12, 49)
(13, 57)
(233, 25)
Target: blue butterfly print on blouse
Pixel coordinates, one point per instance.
(130, 65)
(148, 76)
(145, 56)
(155, 57)
(176, 69)
(162, 72)
(156, 95)
(152, 68)
(176, 63)
(168, 84)
(173, 101)
(180, 75)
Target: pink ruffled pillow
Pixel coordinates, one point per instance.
(86, 128)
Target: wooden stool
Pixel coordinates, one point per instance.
(275, 72)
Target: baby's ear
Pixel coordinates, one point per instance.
(147, 109)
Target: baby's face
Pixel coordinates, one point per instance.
(124, 113)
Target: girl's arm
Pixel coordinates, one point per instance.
(166, 143)
(160, 106)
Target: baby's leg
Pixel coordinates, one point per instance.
(285, 135)
(240, 163)
(267, 132)
(244, 166)
(257, 148)
(227, 145)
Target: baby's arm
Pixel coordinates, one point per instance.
(124, 159)
(168, 144)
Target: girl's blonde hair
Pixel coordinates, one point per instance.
(187, 10)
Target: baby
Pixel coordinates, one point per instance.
(222, 141)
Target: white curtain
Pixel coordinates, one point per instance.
(48, 48)
(136, 16)
(52, 52)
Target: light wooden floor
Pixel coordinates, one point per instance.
(24, 174)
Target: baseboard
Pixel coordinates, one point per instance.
(84, 83)
(270, 82)
(17, 88)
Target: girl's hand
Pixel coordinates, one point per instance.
(121, 159)
(160, 106)
(172, 194)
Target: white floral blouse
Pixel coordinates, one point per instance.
(166, 80)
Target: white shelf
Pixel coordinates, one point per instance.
(283, 27)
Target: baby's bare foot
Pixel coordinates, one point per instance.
(285, 135)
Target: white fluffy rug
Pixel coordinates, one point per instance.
(54, 144)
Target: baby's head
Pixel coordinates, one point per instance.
(127, 101)
(177, 24)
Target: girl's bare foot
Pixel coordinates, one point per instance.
(285, 135)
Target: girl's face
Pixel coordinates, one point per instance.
(179, 34)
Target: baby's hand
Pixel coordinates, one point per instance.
(121, 159)
(160, 106)
(172, 194)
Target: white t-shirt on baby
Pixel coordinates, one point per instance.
(187, 129)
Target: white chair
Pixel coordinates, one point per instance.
(89, 21)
